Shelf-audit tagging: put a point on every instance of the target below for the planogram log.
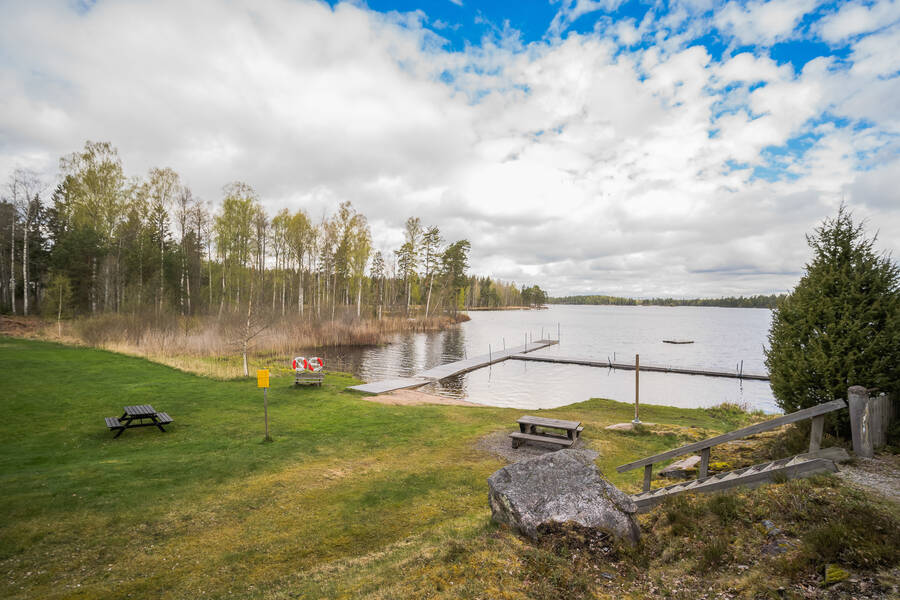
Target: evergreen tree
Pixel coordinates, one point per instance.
(841, 325)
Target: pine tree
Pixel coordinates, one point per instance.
(841, 325)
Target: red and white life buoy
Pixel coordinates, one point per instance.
(314, 364)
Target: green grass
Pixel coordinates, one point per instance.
(352, 499)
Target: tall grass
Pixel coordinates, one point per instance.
(205, 345)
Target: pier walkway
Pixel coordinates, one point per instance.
(451, 369)
(611, 365)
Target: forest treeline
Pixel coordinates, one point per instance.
(758, 301)
(102, 242)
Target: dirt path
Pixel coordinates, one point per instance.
(880, 474)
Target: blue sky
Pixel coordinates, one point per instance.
(676, 148)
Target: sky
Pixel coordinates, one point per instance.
(680, 148)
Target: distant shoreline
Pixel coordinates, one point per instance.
(758, 301)
(485, 308)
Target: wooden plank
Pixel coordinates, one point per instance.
(704, 464)
(800, 415)
(746, 478)
(590, 362)
(648, 475)
(545, 422)
(448, 370)
(544, 439)
(815, 433)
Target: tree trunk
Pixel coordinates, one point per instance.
(94, 285)
(246, 340)
(428, 299)
(358, 297)
(140, 272)
(59, 314)
(12, 263)
(408, 294)
(222, 298)
(161, 268)
(25, 265)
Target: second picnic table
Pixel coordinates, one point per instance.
(528, 431)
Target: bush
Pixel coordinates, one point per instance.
(841, 325)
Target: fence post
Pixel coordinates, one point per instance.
(860, 421)
(815, 433)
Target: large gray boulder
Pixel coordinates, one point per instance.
(557, 488)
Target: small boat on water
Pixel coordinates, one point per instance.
(678, 341)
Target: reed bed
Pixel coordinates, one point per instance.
(211, 346)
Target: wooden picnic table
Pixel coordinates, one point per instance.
(139, 413)
(529, 432)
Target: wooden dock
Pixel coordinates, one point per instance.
(451, 369)
(587, 362)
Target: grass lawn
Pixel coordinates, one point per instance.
(352, 498)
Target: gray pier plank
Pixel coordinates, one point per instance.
(450, 369)
(588, 362)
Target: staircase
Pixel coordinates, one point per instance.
(786, 468)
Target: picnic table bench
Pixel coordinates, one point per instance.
(529, 432)
(140, 413)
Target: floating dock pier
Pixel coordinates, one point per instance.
(451, 369)
(611, 365)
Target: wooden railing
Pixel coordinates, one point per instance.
(816, 413)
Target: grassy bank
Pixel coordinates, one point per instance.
(353, 498)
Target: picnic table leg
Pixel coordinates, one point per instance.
(125, 424)
(158, 424)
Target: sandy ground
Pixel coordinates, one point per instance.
(415, 398)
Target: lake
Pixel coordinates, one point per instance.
(723, 337)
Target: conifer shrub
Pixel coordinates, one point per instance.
(840, 326)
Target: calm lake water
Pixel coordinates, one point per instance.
(723, 337)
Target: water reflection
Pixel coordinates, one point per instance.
(723, 338)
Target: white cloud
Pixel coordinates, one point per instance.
(573, 163)
(856, 18)
(572, 10)
(761, 22)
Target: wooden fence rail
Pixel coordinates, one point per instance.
(816, 413)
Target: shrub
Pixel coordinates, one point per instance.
(840, 325)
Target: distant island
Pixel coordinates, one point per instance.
(760, 301)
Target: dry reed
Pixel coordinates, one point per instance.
(210, 346)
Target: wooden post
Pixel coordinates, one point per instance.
(648, 473)
(266, 409)
(526, 342)
(490, 355)
(557, 332)
(504, 344)
(637, 388)
(704, 463)
(815, 433)
(860, 421)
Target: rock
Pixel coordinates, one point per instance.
(683, 469)
(771, 529)
(626, 426)
(557, 488)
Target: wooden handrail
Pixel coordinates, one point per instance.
(705, 445)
